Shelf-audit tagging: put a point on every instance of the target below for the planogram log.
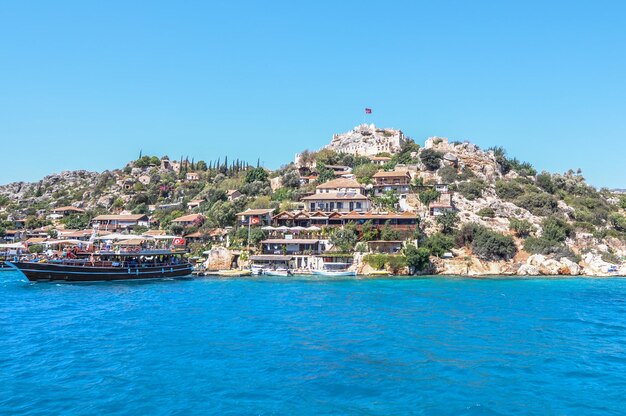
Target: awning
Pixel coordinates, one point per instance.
(271, 257)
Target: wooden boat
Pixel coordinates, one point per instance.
(9, 252)
(335, 269)
(108, 265)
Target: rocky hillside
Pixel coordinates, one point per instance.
(504, 216)
(559, 223)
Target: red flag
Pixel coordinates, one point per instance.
(179, 242)
(368, 111)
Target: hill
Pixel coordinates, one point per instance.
(479, 211)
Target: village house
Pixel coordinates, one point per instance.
(192, 176)
(233, 195)
(189, 220)
(341, 195)
(68, 210)
(384, 246)
(291, 246)
(442, 205)
(262, 216)
(194, 203)
(109, 222)
(396, 181)
(379, 160)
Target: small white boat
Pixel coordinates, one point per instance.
(257, 270)
(334, 273)
(277, 272)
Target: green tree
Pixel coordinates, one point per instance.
(291, 179)
(324, 174)
(365, 172)
(389, 234)
(201, 166)
(472, 189)
(431, 159)
(388, 200)
(448, 221)
(344, 238)
(438, 244)
(368, 231)
(418, 259)
(428, 195)
(257, 174)
(490, 245)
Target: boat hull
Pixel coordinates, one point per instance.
(49, 272)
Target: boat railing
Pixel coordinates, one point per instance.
(108, 264)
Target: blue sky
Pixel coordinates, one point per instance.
(87, 85)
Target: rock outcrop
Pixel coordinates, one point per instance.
(368, 140)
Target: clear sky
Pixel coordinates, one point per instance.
(87, 85)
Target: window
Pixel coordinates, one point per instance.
(359, 205)
(339, 205)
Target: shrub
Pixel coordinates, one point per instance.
(486, 212)
(431, 159)
(521, 228)
(485, 243)
(508, 190)
(538, 203)
(417, 259)
(396, 262)
(438, 244)
(490, 245)
(472, 189)
(544, 181)
(448, 174)
(609, 257)
(556, 229)
(376, 261)
(618, 222)
(465, 236)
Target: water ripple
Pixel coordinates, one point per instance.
(376, 347)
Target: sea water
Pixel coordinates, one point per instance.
(299, 346)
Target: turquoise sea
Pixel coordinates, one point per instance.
(439, 346)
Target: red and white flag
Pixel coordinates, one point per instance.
(368, 111)
(179, 242)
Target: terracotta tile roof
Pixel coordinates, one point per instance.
(340, 183)
(393, 174)
(130, 217)
(68, 208)
(261, 211)
(189, 218)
